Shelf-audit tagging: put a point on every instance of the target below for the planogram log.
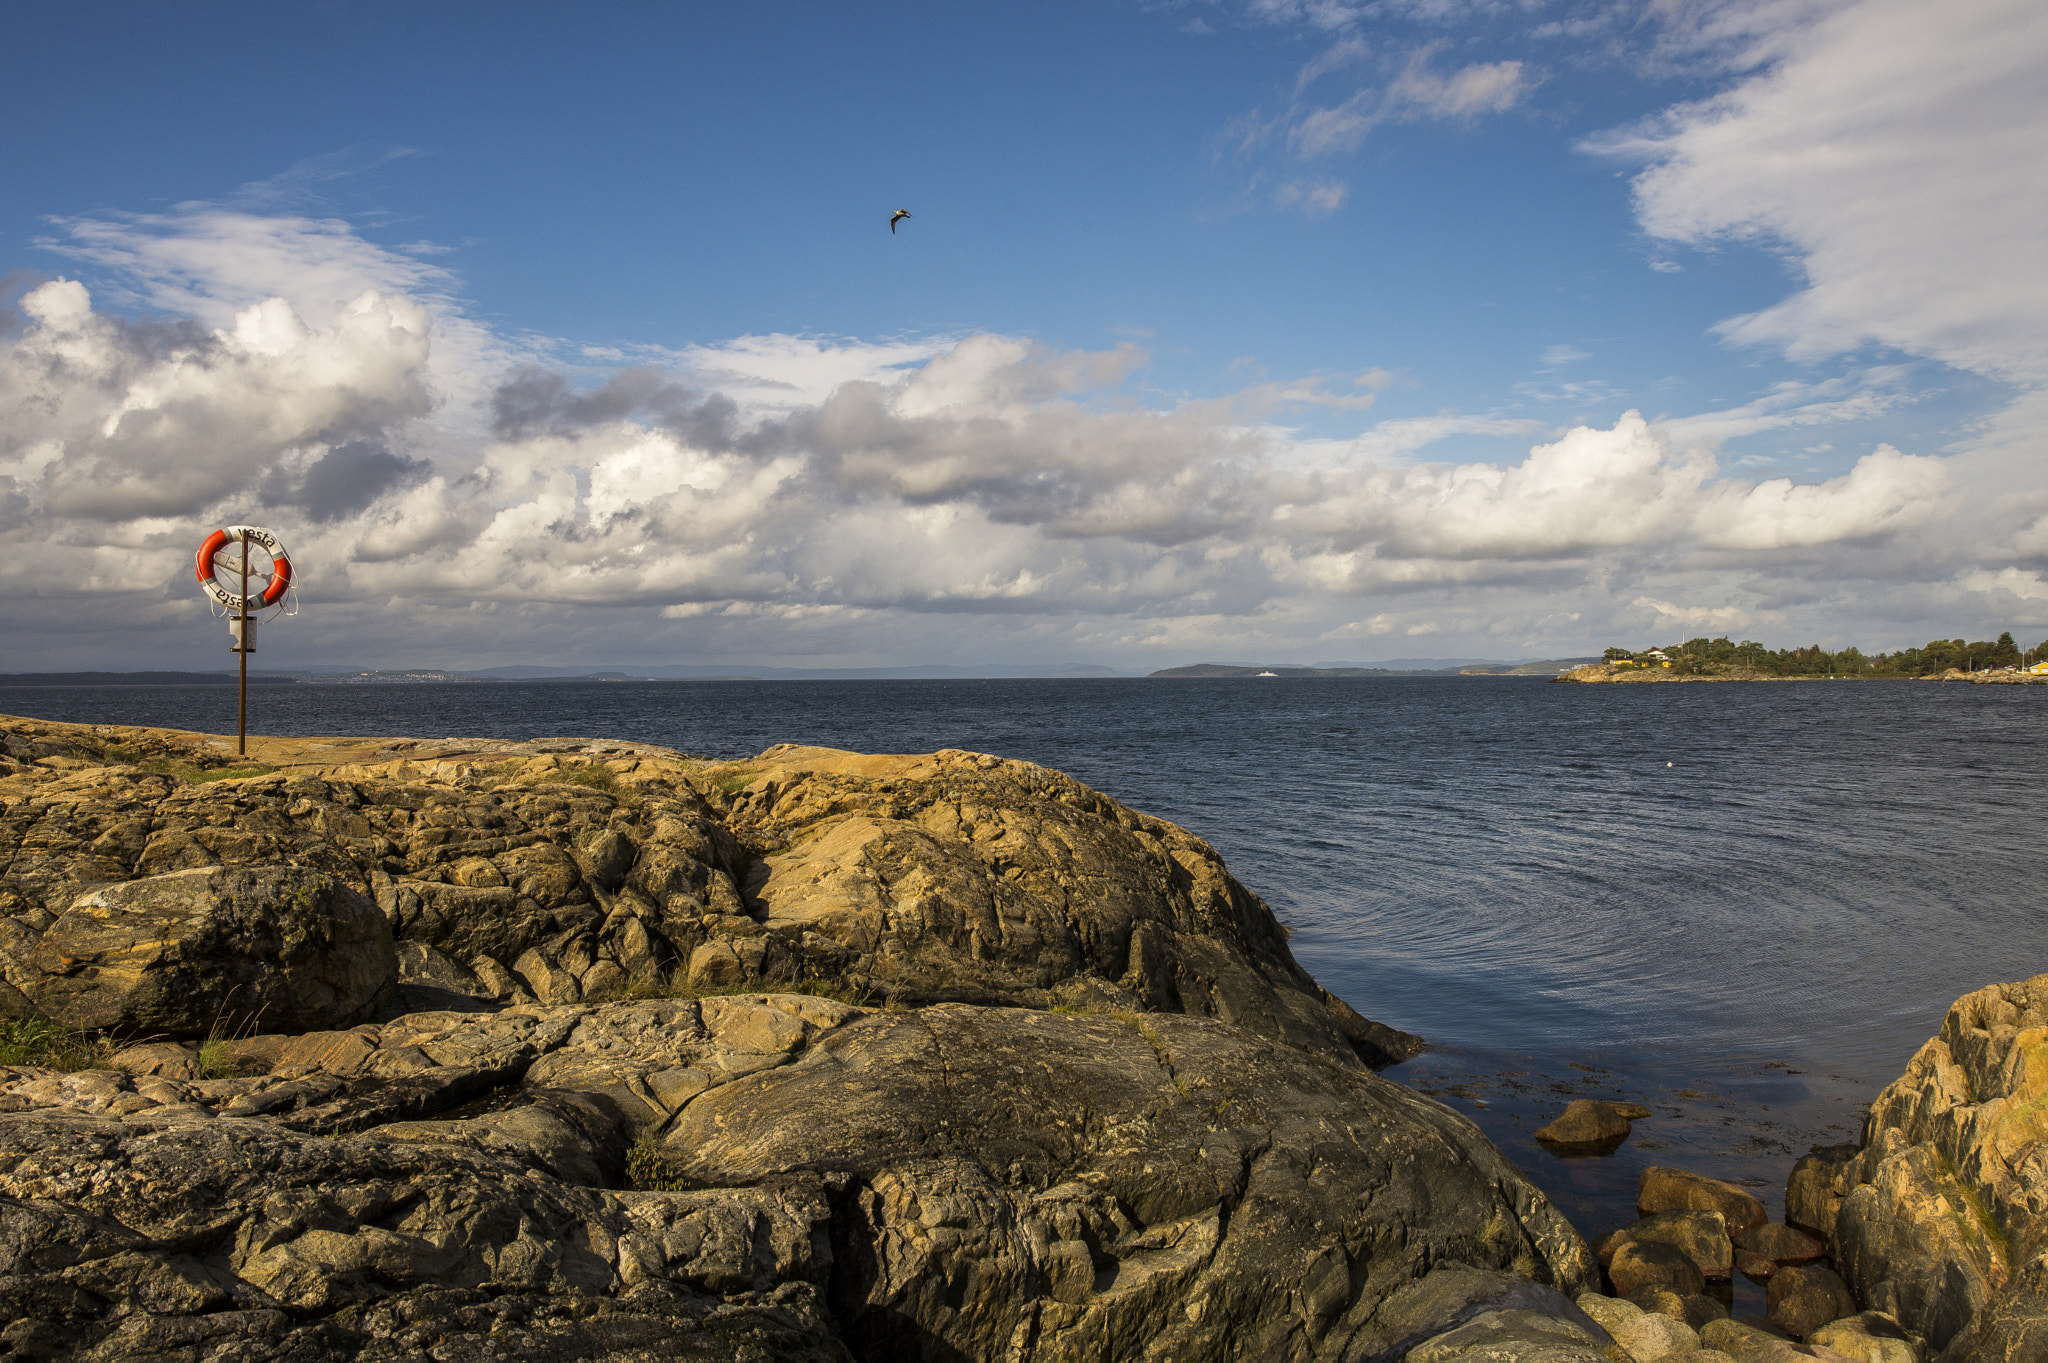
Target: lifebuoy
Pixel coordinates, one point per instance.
(280, 574)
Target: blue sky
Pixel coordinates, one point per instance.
(1219, 330)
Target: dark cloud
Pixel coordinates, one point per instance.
(152, 340)
(536, 401)
(13, 285)
(349, 477)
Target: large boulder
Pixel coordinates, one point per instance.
(1814, 1192)
(1702, 1237)
(279, 948)
(1871, 1337)
(960, 876)
(1663, 1189)
(1780, 1244)
(1458, 1314)
(1804, 1297)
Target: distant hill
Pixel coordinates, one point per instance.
(138, 679)
(1549, 667)
(748, 671)
(1278, 670)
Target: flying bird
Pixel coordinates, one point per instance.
(898, 216)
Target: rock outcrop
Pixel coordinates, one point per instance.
(1942, 1219)
(1046, 1084)
(563, 870)
(823, 1180)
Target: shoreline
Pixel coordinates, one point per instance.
(1600, 674)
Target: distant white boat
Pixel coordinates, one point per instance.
(1269, 674)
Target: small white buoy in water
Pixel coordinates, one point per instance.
(1667, 764)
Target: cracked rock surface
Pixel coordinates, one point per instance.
(950, 1182)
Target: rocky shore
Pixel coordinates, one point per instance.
(591, 1050)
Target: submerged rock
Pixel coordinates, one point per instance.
(1589, 1125)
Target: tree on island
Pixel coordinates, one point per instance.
(1705, 657)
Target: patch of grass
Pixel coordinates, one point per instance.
(189, 772)
(648, 984)
(40, 1042)
(729, 780)
(216, 1061)
(229, 773)
(595, 775)
(650, 1168)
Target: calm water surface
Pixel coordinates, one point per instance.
(1743, 904)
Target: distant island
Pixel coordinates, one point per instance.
(1721, 659)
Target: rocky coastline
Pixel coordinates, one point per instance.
(575, 1049)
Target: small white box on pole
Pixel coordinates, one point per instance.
(244, 642)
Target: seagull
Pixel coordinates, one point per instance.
(898, 216)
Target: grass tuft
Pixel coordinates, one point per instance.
(595, 775)
(40, 1042)
(650, 1168)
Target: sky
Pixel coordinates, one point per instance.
(1221, 330)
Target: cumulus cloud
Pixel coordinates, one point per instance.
(825, 498)
(123, 422)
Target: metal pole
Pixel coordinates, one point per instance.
(242, 694)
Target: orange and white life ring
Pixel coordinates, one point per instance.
(280, 566)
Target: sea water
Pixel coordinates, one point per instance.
(1744, 905)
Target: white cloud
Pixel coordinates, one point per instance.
(1714, 619)
(1315, 198)
(1404, 436)
(1417, 93)
(2013, 582)
(1889, 145)
(1885, 492)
